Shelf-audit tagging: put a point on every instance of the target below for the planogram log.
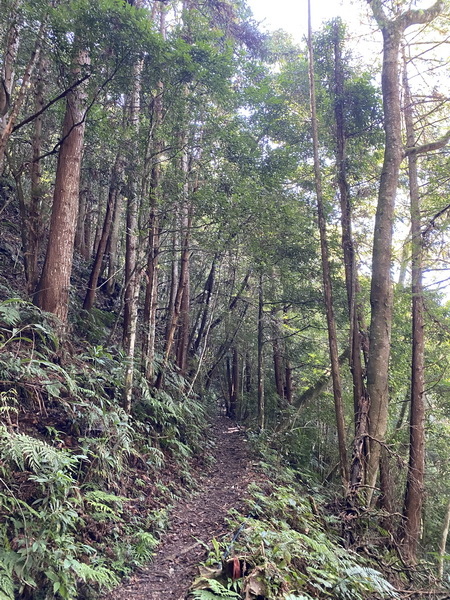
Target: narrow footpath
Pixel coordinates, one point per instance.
(195, 521)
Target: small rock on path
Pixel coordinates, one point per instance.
(195, 520)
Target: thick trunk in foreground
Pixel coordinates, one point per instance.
(381, 286)
(327, 288)
(53, 289)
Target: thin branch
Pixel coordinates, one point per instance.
(53, 101)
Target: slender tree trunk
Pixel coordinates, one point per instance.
(9, 109)
(360, 396)
(34, 220)
(328, 296)
(174, 280)
(351, 275)
(9, 60)
(288, 390)
(101, 248)
(414, 492)
(113, 245)
(151, 290)
(261, 395)
(102, 209)
(131, 245)
(288, 382)
(234, 387)
(443, 541)
(208, 291)
(278, 362)
(177, 291)
(53, 289)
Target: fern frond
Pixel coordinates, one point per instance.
(27, 452)
(212, 590)
(101, 575)
(6, 583)
(368, 580)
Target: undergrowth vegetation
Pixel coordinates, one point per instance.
(287, 548)
(84, 487)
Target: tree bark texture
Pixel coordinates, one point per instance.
(381, 286)
(131, 242)
(53, 289)
(414, 492)
(34, 224)
(151, 290)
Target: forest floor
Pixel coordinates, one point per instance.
(195, 520)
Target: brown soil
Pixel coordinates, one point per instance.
(195, 521)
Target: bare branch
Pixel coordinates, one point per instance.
(425, 148)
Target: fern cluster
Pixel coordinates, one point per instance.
(289, 554)
(71, 501)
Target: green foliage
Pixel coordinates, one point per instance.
(26, 452)
(294, 552)
(213, 589)
(63, 483)
(6, 583)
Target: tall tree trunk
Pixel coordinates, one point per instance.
(279, 370)
(327, 288)
(261, 395)
(101, 248)
(34, 220)
(178, 288)
(234, 388)
(184, 315)
(113, 245)
(9, 108)
(351, 276)
(381, 286)
(53, 289)
(207, 295)
(414, 492)
(131, 243)
(151, 290)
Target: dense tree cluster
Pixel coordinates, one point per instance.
(235, 212)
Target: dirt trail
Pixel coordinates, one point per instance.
(195, 520)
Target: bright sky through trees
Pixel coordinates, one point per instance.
(292, 15)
